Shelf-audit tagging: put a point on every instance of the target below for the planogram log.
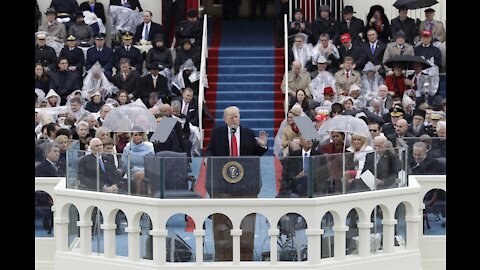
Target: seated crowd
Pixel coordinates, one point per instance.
(346, 72)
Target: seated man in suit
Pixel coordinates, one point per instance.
(387, 167)
(107, 173)
(147, 29)
(423, 164)
(297, 166)
(48, 167)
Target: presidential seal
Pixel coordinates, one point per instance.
(232, 172)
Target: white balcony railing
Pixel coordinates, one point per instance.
(160, 210)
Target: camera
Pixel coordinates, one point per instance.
(297, 26)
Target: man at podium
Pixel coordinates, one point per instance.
(233, 140)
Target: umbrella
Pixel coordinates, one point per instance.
(406, 60)
(415, 4)
(347, 124)
(130, 118)
(370, 116)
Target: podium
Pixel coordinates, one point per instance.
(233, 177)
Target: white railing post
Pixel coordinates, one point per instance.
(285, 40)
(61, 233)
(134, 243)
(85, 236)
(364, 238)
(199, 234)
(158, 246)
(201, 89)
(388, 235)
(236, 233)
(109, 244)
(273, 233)
(413, 231)
(314, 245)
(340, 242)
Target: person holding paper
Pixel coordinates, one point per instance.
(387, 165)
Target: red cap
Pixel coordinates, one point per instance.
(328, 90)
(426, 33)
(345, 38)
(321, 117)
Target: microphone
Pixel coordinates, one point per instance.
(233, 128)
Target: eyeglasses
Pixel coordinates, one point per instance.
(373, 130)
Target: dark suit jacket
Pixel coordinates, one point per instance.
(219, 145)
(105, 58)
(356, 52)
(87, 172)
(408, 27)
(98, 9)
(75, 58)
(46, 169)
(387, 167)
(133, 4)
(427, 166)
(134, 54)
(131, 84)
(192, 110)
(155, 28)
(146, 87)
(293, 165)
(377, 57)
(356, 27)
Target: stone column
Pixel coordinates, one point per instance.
(236, 233)
(109, 248)
(273, 233)
(388, 235)
(85, 236)
(133, 243)
(199, 234)
(340, 242)
(364, 238)
(159, 250)
(61, 233)
(413, 231)
(314, 245)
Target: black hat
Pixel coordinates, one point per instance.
(337, 107)
(324, 8)
(192, 13)
(400, 33)
(51, 10)
(429, 10)
(348, 10)
(79, 13)
(158, 37)
(419, 112)
(153, 65)
(186, 40)
(298, 10)
(396, 111)
(99, 36)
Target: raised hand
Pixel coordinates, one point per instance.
(262, 138)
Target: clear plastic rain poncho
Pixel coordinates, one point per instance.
(129, 118)
(124, 19)
(96, 80)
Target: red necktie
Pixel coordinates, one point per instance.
(233, 146)
(347, 74)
